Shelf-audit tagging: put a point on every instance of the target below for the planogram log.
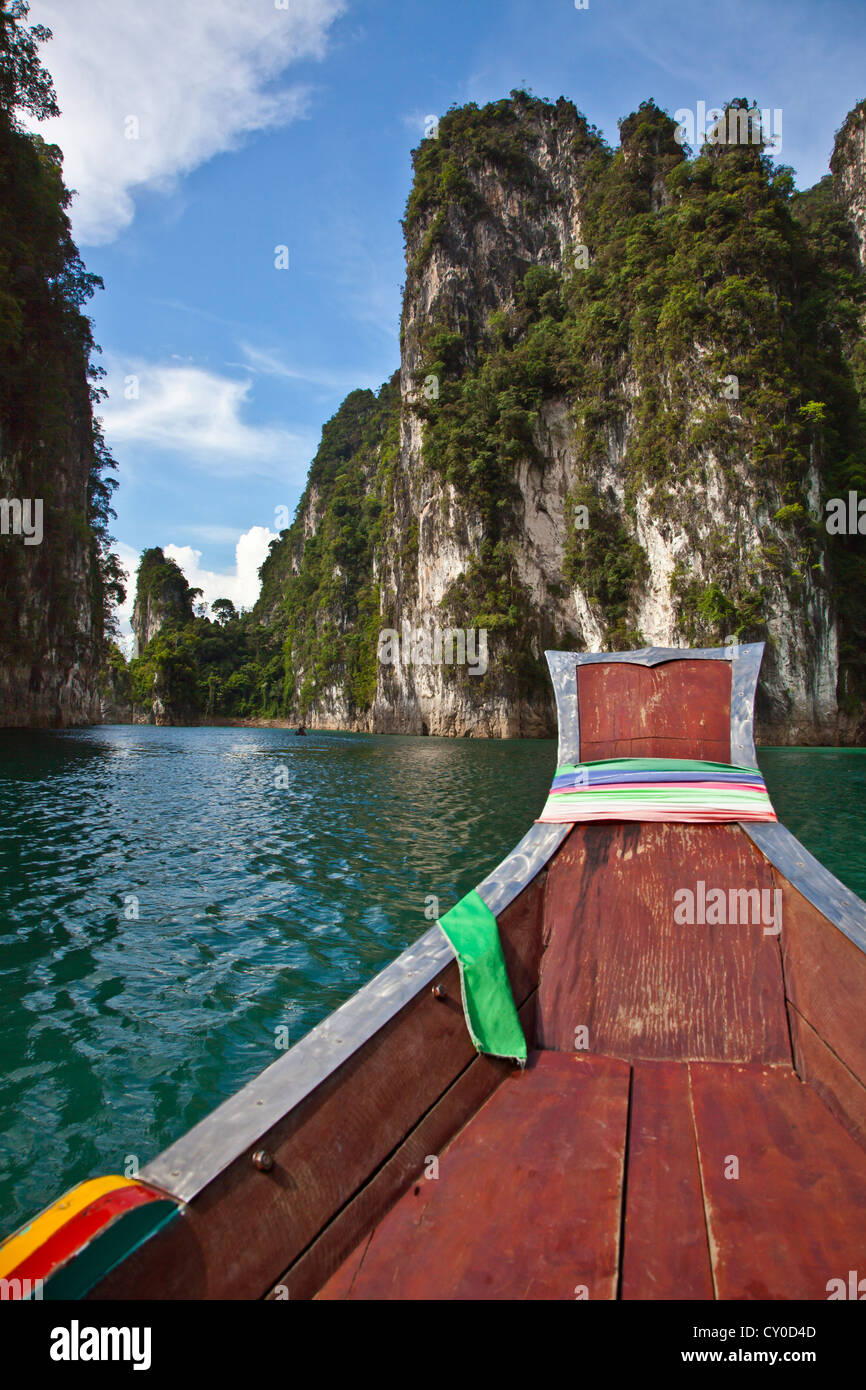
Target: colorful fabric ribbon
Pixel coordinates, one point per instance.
(657, 789)
(635, 789)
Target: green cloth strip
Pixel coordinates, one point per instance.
(488, 1003)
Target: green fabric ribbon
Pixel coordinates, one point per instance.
(488, 1003)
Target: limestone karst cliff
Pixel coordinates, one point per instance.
(162, 598)
(58, 576)
(630, 380)
(848, 169)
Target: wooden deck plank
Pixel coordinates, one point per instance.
(838, 1087)
(795, 1217)
(825, 976)
(328, 1148)
(341, 1280)
(665, 1251)
(527, 1204)
(617, 963)
(332, 1250)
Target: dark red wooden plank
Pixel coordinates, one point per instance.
(825, 977)
(618, 964)
(341, 1281)
(247, 1227)
(337, 1245)
(795, 1217)
(680, 709)
(665, 1250)
(527, 1204)
(520, 931)
(838, 1087)
(713, 750)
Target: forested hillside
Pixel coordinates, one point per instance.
(631, 379)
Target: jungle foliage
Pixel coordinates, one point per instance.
(48, 381)
(704, 267)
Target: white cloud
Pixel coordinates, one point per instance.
(197, 76)
(241, 585)
(199, 414)
(129, 559)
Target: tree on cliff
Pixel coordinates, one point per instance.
(25, 84)
(224, 611)
(50, 443)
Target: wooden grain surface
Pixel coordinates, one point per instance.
(825, 978)
(248, 1225)
(679, 709)
(795, 1217)
(665, 1252)
(837, 1086)
(527, 1204)
(334, 1249)
(521, 928)
(237, 1238)
(646, 987)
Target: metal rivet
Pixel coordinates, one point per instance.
(439, 992)
(263, 1160)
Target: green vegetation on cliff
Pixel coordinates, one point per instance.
(47, 387)
(193, 667)
(710, 315)
(317, 617)
(700, 270)
(319, 592)
(162, 594)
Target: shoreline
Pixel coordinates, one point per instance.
(769, 740)
(772, 737)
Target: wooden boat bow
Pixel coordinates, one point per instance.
(692, 1119)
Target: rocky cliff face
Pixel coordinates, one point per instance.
(48, 676)
(162, 598)
(848, 167)
(154, 690)
(622, 403)
(56, 571)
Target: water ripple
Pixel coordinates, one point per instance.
(170, 898)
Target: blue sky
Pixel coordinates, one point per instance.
(265, 123)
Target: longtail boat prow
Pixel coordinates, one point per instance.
(630, 1065)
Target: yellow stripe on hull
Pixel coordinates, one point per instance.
(24, 1241)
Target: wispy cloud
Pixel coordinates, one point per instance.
(214, 535)
(199, 414)
(673, 54)
(417, 121)
(149, 92)
(357, 276)
(267, 363)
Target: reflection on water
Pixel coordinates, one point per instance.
(169, 898)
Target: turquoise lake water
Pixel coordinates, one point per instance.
(171, 897)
